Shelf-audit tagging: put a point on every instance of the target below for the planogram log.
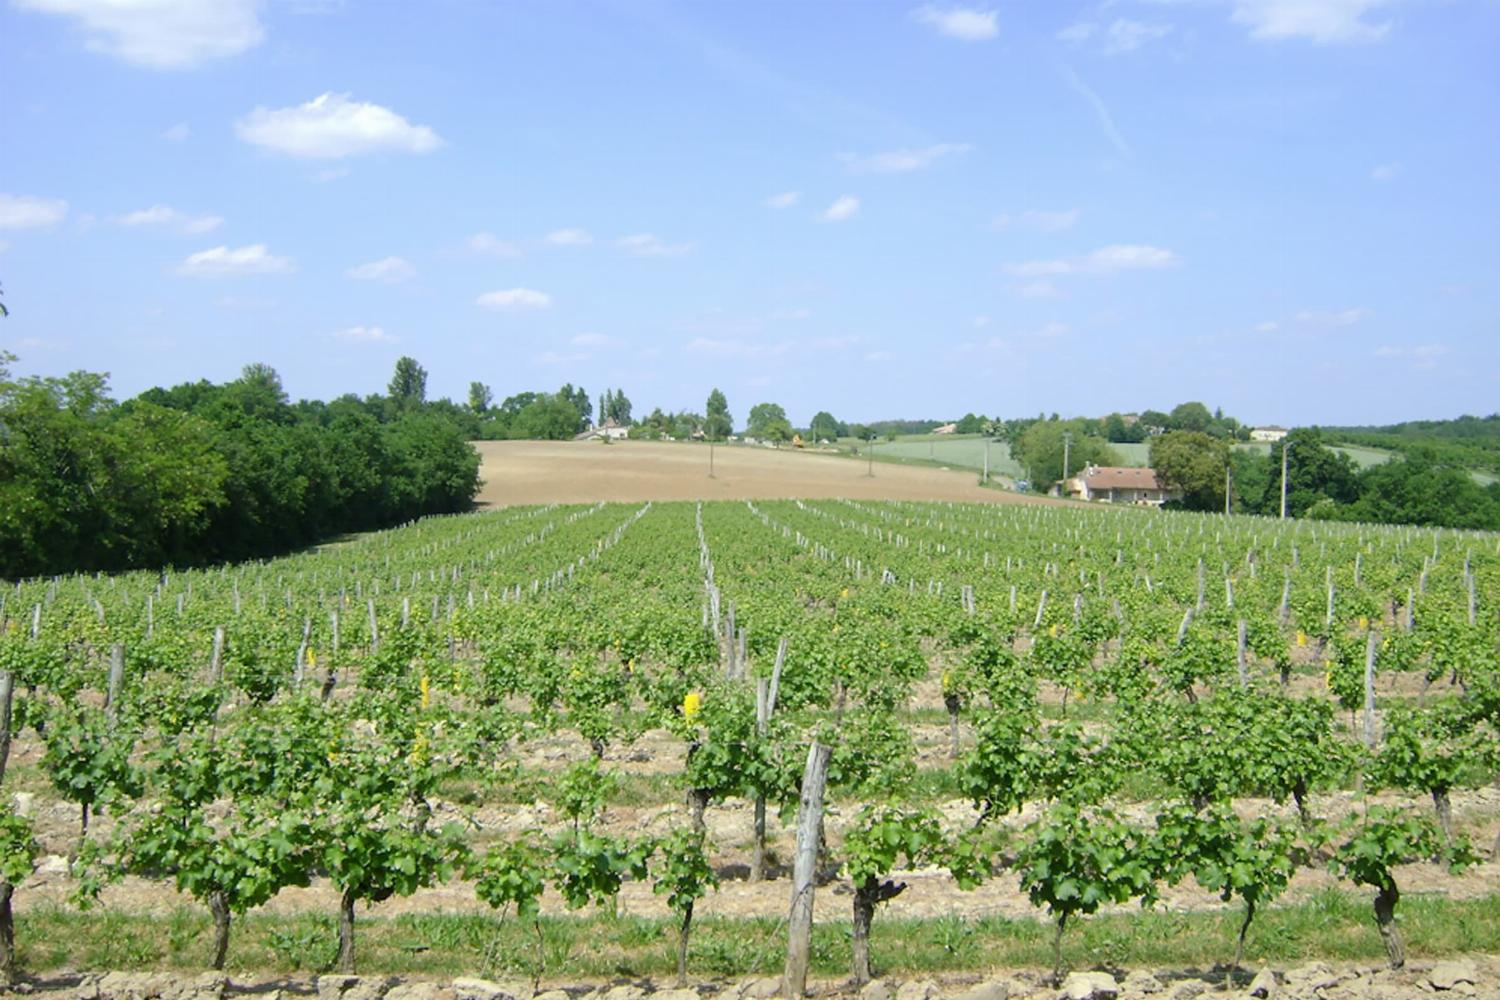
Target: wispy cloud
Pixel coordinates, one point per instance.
(1101, 111)
(878, 357)
(1119, 36)
(177, 133)
(331, 127)
(515, 298)
(489, 245)
(560, 358)
(842, 209)
(785, 199)
(1385, 172)
(222, 262)
(590, 340)
(1419, 356)
(387, 269)
(1338, 317)
(733, 347)
(569, 238)
(364, 335)
(650, 245)
(1042, 222)
(967, 24)
(20, 211)
(1035, 290)
(161, 34)
(166, 217)
(1322, 21)
(899, 161)
(1106, 260)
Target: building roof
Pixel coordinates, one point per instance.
(1108, 477)
(1272, 427)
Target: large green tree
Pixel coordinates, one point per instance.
(824, 427)
(409, 382)
(762, 416)
(1194, 463)
(1041, 448)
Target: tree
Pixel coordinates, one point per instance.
(969, 424)
(1192, 416)
(408, 385)
(1154, 419)
(480, 397)
(824, 427)
(1314, 473)
(579, 400)
(762, 415)
(1194, 463)
(1041, 450)
(718, 424)
(616, 407)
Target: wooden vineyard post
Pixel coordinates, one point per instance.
(216, 658)
(374, 626)
(809, 823)
(7, 692)
(765, 707)
(1370, 649)
(1240, 657)
(116, 681)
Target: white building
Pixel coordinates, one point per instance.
(1268, 434)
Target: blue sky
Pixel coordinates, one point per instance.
(1287, 208)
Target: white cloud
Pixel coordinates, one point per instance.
(162, 34)
(387, 269)
(1105, 260)
(167, 217)
(491, 246)
(1323, 21)
(590, 340)
(515, 298)
(569, 238)
(177, 133)
(554, 358)
(222, 262)
(330, 127)
(1042, 222)
(1101, 111)
(1340, 317)
(875, 357)
(1386, 172)
(900, 161)
(330, 174)
(1077, 34)
(834, 343)
(785, 199)
(20, 211)
(649, 245)
(365, 335)
(1268, 326)
(846, 207)
(967, 24)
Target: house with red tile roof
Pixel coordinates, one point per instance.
(1115, 484)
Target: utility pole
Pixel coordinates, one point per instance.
(986, 478)
(1228, 487)
(710, 458)
(870, 458)
(1285, 447)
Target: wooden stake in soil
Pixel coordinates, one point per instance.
(809, 822)
(116, 681)
(1370, 648)
(7, 692)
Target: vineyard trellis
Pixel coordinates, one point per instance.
(252, 727)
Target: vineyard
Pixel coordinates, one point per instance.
(943, 716)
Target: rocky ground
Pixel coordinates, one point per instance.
(1478, 976)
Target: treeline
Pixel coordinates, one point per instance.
(545, 416)
(1472, 442)
(202, 473)
(1418, 487)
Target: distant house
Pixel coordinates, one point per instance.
(610, 430)
(946, 429)
(1113, 484)
(1268, 434)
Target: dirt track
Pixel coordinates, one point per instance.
(530, 472)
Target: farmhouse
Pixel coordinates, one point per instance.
(1268, 434)
(946, 429)
(1112, 484)
(610, 430)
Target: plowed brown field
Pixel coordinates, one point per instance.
(531, 472)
